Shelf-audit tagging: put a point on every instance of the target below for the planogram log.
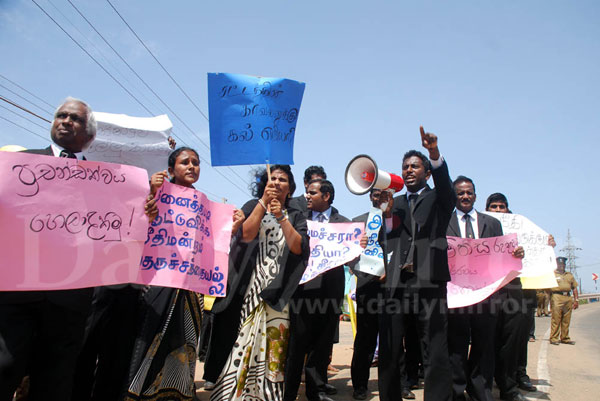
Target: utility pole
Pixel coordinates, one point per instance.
(569, 250)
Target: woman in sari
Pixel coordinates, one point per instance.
(164, 356)
(248, 347)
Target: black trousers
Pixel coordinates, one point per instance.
(472, 369)
(510, 329)
(412, 349)
(311, 339)
(40, 339)
(367, 328)
(530, 305)
(429, 307)
(103, 364)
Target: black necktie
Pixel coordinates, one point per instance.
(412, 199)
(469, 233)
(68, 154)
(409, 263)
(320, 217)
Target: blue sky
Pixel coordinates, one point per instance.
(511, 87)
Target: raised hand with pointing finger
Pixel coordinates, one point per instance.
(429, 142)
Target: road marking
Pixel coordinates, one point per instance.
(543, 373)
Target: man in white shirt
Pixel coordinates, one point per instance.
(41, 331)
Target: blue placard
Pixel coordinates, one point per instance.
(252, 119)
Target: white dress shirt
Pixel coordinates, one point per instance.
(57, 149)
(462, 224)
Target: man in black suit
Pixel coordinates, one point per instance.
(311, 173)
(315, 310)
(368, 292)
(472, 369)
(41, 331)
(511, 327)
(417, 274)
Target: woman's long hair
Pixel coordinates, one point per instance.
(260, 183)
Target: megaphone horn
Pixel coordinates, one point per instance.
(362, 175)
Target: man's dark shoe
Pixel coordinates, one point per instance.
(320, 397)
(513, 397)
(360, 394)
(408, 395)
(328, 389)
(526, 385)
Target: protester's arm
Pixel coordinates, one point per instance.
(238, 219)
(251, 225)
(157, 180)
(551, 241)
(292, 238)
(519, 252)
(151, 208)
(441, 177)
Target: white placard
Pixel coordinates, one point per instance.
(539, 257)
(371, 260)
(135, 141)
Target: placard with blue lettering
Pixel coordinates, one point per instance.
(371, 260)
(331, 245)
(252, 119)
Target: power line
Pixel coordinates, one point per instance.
(28, 101)
(100, 52)
(25, 90)
(129, 66)
(116, 80)
(24, 109)
(147, 86)
(170, 76)
(23, 117)
(92, 57)
(156, 59)
(26, 129)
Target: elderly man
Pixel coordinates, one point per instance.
(41, 331)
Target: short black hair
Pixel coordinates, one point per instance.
(319, 170)
(424, 159)
(462, 178)
(261, 177)
(496, 197)
(326, 188)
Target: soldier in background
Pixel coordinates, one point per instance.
(543, 299)
(562, 303)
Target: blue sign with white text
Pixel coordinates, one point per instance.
(252, 119)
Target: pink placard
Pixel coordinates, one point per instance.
(67, 223)
(188, 243)
(480, 267)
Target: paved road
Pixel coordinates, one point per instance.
(564, 372)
